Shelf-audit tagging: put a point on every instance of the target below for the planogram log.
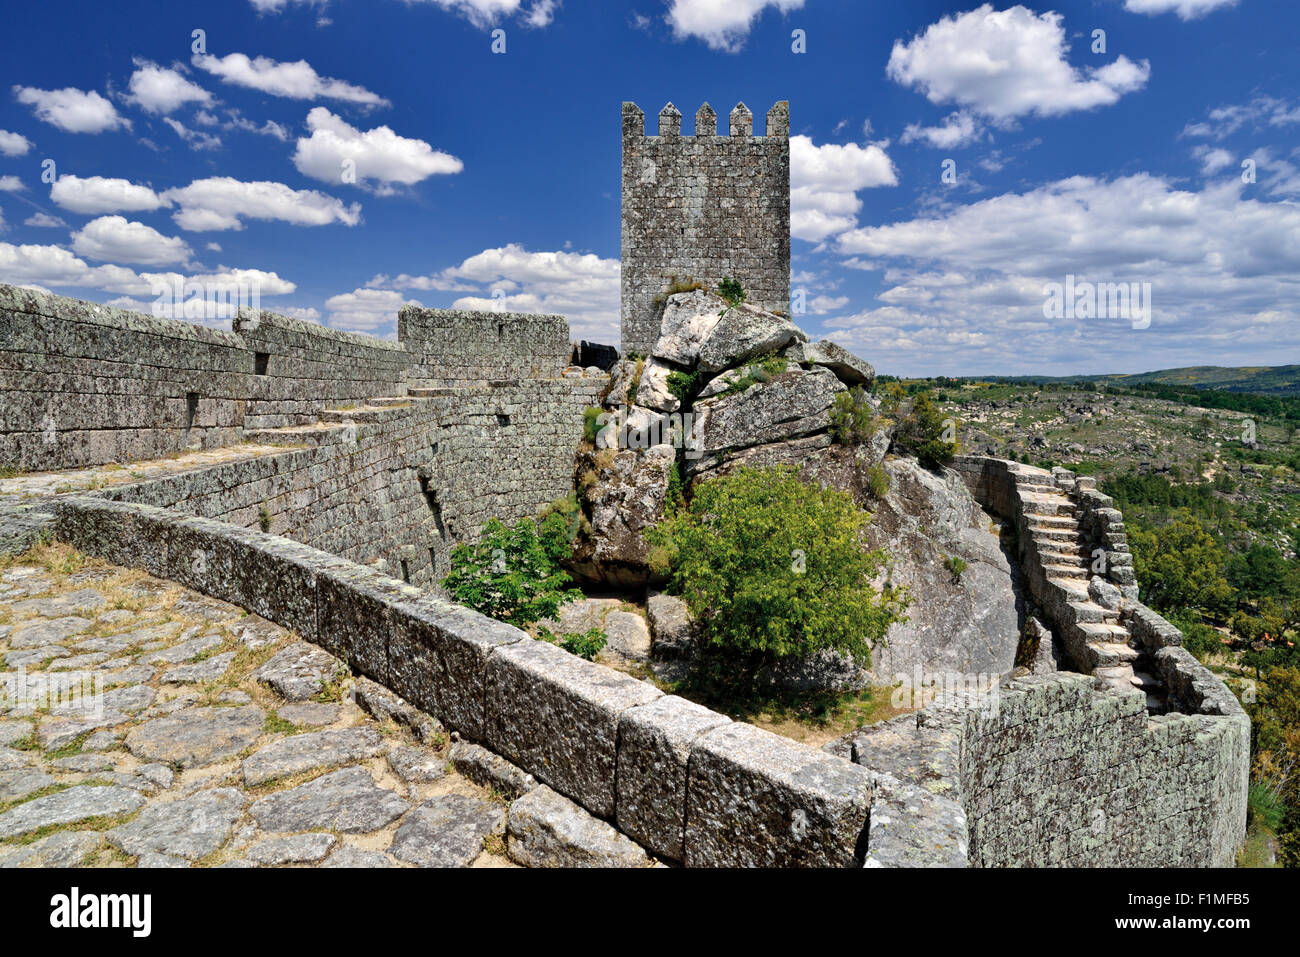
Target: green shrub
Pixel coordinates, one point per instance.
(513, 573)
(774, 568)
(955, 566)
(852, 418)
(682, 385)
(923, 433)
(731, 290)
(586, 644)
(877, 482)
(675, 499)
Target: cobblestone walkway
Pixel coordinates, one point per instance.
(218, 738)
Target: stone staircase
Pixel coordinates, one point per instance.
(1059, 560)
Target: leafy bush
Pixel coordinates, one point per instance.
(923, 432)
(852, 418)
(513, 573)
(731, 290)
(955, 566)
(774, 568)
(682, 385)
(586, 644)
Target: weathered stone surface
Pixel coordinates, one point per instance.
(652, 391)
(15, 785)
(13, 730)
(628, 636)
(379, 702)
(556, 716)
(911, 827)
(309, 713)
(416, 765)
(48, 632)
(295, 849)
(447, 831)
(548, 830)
(186, 650)
(298, 671)
(672, 629)
(306, 752)
(439, 655)
(62, 849)
(347, 800)
(189, 828)
(55, 733)
(847, 367)
(744, 332)
(490, 770)
(152, 860)
(81, 601)
(209, 669)
(79, 803)
(84, 763)
(629, 496)
(790, 405)
(688, 319)
(1105, 594)
(356, 857)
(197, 736)
(760, 800)
(654, 748)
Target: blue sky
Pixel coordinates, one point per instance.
(130, 154)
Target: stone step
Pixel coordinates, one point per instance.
(1156, 704)
(1105, 631)
(1111, 655)
(1119, 677)
(1089, 612)
(1146, 682)
(391, 401)
(1076, 587)
(1066, 571)
(1049, 553)
(1046, 520)
(427, 392)
(315, 435)
(361, 414)
(1057, 505)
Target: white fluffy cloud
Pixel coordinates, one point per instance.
(581, 286)
(824, 181)
(1008, 63)
(366, 310)
(965, 283)
(1212, 159)
(1186, 9)
(100, 194)
(485, 13)
(44, 220)
(959, 129)
(117, 239)
(158, 89)
(377, 158)
(11, 184)
(722, 24)
(14, 144)
(1263, 111)
(71, 110)
(297, 80)
(221, 202)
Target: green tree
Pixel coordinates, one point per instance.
(1180, 566)
(513, 573)
(774, 568)
(927, 433)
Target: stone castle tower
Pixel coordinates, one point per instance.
(703, 207)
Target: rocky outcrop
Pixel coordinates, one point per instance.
(628, 494)
(791, 405)
(743, 332)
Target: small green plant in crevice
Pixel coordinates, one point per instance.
(512, 573)
(678, 285)
(757, 371)
(675, 496)
(877, 482)
(955, 566)
(586, 644)
(637, 371)
(681, 385)
(264, 518)
(731, 290)
(853, 418)
(591, 423)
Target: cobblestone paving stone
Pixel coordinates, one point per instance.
(190, 757)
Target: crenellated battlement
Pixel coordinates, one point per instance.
(740, 122)
(703, 206)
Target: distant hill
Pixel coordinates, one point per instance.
(1257, 380)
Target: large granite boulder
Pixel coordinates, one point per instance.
(789, 406)
(652, 392)
(744, 332)
(689, 318)
(847, 367)
(628, 496)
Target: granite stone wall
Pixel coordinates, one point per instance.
(703, 206)
(452, 347)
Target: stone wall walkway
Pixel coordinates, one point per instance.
(219, 739)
